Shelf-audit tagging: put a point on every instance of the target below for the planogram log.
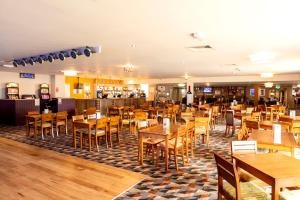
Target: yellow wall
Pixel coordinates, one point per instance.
(73, 80)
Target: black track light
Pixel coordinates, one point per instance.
(40, 59)
(61, 56)
(50, 58)
(87, 52)
(74, 53)
(31, 61)
(15, 63)
(22, 62)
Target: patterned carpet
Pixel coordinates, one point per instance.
(195, 180)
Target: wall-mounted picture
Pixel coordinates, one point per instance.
(262, 92)
(251, 92)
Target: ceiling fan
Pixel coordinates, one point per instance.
(199, 37)
(6, 63)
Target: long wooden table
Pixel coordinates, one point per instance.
(157, 132)
(276, 170)
(31, 173)
(265, 140)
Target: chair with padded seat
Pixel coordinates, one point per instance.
(61, 119)
(46, 123)
(229, 185)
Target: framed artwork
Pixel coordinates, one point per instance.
(252, 92)
(262, 92)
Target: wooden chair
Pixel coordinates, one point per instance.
(90, 111)
(216, 114)
(76, 118)
(61, 119)
(127, 119)
(202, 128)
(251, 125)
(286, 123)
(46, 123)
(233, 188)
(30, 123)
(140, 120)
(114, 128)
(175, 145)
(229, 117)
(243, 133)
(99, 131)
(189, 140)
(256, 116)
(249, 110)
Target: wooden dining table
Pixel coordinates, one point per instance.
(157, 132)
(275, 169)
(265, 140)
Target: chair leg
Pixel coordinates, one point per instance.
(52, 131)
(187, 151)
(110, 139)
(42, 132)
(176, 161)
(80, 141)
(192, 148)
(66, 129)
(106, 141)
(96, 141)
(182, 155)
(57, 130)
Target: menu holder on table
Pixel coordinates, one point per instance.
(166, 123)
(277, 133)
(293, 114)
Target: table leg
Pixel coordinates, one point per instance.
(90, 139)
(166, 154)
(27, 127)
(34, 131)
(275, 191)
(141, 148)
(74, 136)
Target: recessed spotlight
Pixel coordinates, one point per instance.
(262, 57)
(266, 75)
(268, 84)
(70, 73)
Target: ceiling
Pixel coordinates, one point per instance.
(153, 36)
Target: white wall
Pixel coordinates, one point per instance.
(26, 86)
(57, 85)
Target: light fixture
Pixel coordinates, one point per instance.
(266, 75)
(268, 84)
(262, 57)
(180, 84)
(298, 85)
(70, 73)
(207, 84)
(186, 76)
(8, 65)
(128, 67)
(130, 82)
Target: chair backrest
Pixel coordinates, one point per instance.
(141, 116)
(251, 124)
(285, 119)
(243, 133)
(91, 111)
(77, 117)
(61, 115)
(227, 171)
(47, 117)
(92, 116)
(256, 116)
(243, 147)
(190, 128)
(296, 127)
(249, 110)
(201, 121)
(33, 113)
(186, 114)
(101, 123)
(215, 109)
(229, 117)
(115, 120)
(180, 134)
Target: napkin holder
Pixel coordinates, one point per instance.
(166, 123)
(277, 133)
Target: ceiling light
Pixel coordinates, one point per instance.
(8, 65)
(268, 84)
(130, 82)
(128, 67)
(181, 84)
(70, 73)
(262, 57)
(186, 76)
(266, 75)
(298, 85)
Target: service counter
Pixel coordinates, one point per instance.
(103, 104)
(12, 112)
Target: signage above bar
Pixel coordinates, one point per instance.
(27, 75)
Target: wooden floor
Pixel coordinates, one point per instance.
(29, 172)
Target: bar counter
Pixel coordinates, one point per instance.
(103, 104)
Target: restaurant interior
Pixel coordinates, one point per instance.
(149, 99)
